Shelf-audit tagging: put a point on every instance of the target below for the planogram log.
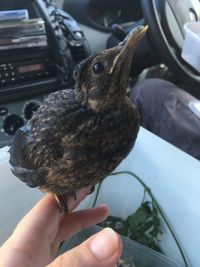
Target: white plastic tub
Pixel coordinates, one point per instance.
(134, 252)
(191, 46)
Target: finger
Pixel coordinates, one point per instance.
(32, 237)
(101, 250)
(42, 220)
(77, 221)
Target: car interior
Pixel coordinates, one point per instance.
(42, 41)
(74, 30)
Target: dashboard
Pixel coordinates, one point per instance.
(102, 14)
(106, 13)
(36, 60)
(105, 17)
(28, 75)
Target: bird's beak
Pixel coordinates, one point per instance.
(128, 46)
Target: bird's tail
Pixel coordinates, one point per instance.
(19, 149)
(33, 178)
(22, 165)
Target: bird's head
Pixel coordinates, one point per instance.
(102, 79)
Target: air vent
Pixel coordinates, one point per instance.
(78, 53)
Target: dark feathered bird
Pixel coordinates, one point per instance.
(78, 136)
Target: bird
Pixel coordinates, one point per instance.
(78, 136)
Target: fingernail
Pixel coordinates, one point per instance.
(105, 243)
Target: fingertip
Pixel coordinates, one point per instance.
(104, 208)
(105, 244)
(100, 250)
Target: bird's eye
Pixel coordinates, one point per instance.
(98, 68)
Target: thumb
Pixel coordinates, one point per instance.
(100, 250)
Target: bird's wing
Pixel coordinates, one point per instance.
(58, 115)
(37, 144)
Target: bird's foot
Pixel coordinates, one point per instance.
(70, 201)
(92, 190)
(63, 203)
(74, 195)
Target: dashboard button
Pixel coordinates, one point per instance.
(29, 109)
(3, 111)
(12, 123)
(78, 35)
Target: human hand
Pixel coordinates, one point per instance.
(37, 237)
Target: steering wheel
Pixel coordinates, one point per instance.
(166, 19)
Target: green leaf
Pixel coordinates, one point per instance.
(137, 218)
(142, 226)
(146, 226)
(147, 209)
(124, 229)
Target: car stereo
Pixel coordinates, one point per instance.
(26, 67)
(38, 52)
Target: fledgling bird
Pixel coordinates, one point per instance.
(78, 136)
